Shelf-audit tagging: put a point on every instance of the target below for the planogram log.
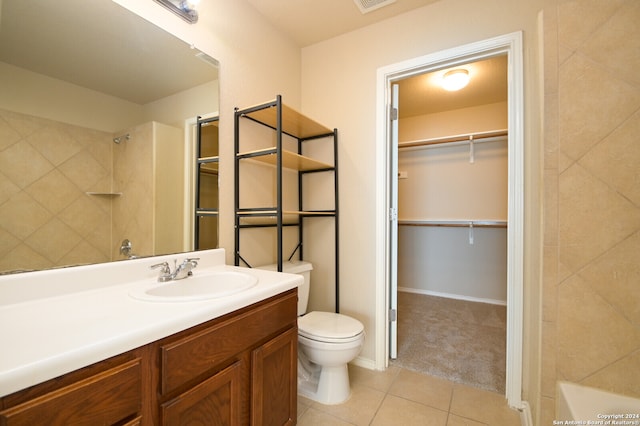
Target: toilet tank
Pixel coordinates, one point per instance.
(299, 267)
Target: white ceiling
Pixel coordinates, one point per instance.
(98, 45)
(310, 21)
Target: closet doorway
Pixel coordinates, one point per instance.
(452, 223)
(508, 47)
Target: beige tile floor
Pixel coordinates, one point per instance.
(402, 397)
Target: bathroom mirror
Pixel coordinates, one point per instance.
(97, 118)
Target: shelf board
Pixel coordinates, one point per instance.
(209, 168)
(293, 122)
(109, 194)
(268, 217)
(290, 160)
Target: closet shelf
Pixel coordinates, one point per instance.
(290, 160)
(467, 137)
(455, 223)
(206, 212)
(293, 123)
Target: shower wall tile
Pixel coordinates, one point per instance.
(592, 280)
(549, 344)
(84, 171)
(47, 217)
(7, 188)
(22, 215)
(579, 19)
(591, 333)
(615, 276)
(616, 159)
(621, 377)
(23, 164)
(46, 240)
(613, 43)
(133, 176)
(593, 217)
(54, 143)
(54, 190)
(592, 102)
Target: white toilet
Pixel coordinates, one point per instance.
(327, 342)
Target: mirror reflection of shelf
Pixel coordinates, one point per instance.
(290, 160)
(209, 168)
(108, 194)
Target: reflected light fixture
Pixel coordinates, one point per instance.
(455, 79)
(186, 9)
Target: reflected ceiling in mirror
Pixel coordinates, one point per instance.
(74, 76)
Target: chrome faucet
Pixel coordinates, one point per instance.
(180, 272)
(184, 269)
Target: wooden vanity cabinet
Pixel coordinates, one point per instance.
(106, 393)
(238, 369)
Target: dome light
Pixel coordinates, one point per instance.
(455, 79)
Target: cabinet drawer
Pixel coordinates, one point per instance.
(104, 399)
(204, 351)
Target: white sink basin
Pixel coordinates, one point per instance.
(209, 285)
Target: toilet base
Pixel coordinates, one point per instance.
(326, 385)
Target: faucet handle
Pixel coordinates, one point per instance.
(165, 271)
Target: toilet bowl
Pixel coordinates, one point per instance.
(327, 342)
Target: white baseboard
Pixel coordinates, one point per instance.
(364, 363)
(452, 296)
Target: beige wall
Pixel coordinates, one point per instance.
(41, 96)
(441, 184)
(339, 89)
(591, 209)
(591, 315)
(256, 64)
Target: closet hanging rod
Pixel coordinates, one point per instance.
(456, 223)
(467, 137)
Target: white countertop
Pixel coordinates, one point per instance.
(54, 322)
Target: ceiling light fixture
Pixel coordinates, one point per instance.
(186, 9)
(455, 79)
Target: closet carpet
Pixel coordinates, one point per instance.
(461, 341)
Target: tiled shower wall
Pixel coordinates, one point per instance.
(46, 170)
(591, 293)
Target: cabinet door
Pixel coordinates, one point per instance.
(275, 381)
(214, 402)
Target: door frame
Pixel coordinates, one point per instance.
(511, 44)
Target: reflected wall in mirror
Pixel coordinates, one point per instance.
(93, 150)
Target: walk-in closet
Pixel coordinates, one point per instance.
(452, 225)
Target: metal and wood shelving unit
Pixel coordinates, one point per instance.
(207, 162)
(284, 121)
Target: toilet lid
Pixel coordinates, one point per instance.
(329, 325)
